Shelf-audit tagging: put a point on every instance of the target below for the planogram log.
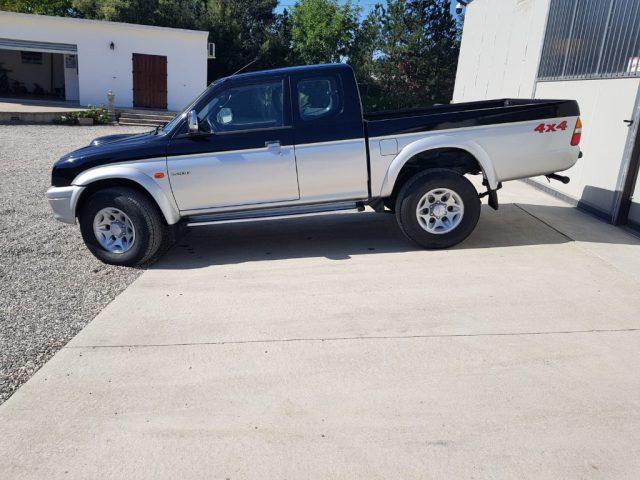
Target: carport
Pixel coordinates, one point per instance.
(38, 70)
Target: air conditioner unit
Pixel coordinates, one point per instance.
(211, 50)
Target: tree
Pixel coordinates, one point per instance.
(276, 51)
(362, 57)
(417, 53)
(323, 30)
(242, 29)
(166, 13)
(42, 7)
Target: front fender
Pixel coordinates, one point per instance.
(433, 143)
(142, 174)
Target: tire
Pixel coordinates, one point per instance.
(150, 234)
(448, 227)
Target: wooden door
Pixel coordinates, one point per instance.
(149, 81)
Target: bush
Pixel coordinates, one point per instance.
(99, 114)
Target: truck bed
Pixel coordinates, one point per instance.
(465, 115)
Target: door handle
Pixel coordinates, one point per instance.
(274, 146)
(628, 122)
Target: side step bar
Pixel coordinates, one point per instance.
(273, 213)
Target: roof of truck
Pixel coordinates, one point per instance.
(290, 70)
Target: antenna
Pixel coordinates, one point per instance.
(243, 68)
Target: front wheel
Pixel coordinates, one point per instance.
(121, 226)
(437, 208)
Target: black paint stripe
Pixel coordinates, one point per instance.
(445, 117)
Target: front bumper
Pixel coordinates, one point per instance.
(63, 201)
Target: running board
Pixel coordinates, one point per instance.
(272, 213)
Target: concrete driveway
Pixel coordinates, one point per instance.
(332, 348)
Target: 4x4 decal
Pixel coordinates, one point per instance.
(551, 127)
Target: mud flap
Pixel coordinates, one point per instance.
(492, 194)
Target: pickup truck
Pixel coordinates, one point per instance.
(294, 141)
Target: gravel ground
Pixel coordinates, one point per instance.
(51, 286)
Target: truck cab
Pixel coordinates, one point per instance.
(256, 143)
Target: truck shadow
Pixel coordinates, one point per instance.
(341, 236)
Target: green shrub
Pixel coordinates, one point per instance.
(99, 114)
(70, 118)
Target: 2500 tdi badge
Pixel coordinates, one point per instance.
(294, 141)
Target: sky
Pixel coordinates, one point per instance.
(365, 4)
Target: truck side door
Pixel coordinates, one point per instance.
(243, 154)
(329, 136)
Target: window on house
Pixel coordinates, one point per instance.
(33, 58)
(591, 39)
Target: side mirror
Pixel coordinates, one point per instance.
(192, 119)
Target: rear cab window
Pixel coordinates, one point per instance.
(318, 98)
(326, 105)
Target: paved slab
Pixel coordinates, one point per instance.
(355, 275)
(17, 105)
(332, 348)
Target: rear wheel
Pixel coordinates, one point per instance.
(121, 226)
(437, 208)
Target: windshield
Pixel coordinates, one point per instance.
(178, 118)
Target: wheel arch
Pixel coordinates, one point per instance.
(117, 176)
(437, 152)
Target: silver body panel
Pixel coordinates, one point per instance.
(141, 172)
(235, 178)
(269, 177)
(63, 201)
(505, 152)
(332, 171)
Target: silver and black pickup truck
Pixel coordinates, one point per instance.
(295, 141)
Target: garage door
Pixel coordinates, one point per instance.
(29, 46)
(149, 81)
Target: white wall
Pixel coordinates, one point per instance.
(500, 54)
(604, 104)
(101, 69)
(500, 50)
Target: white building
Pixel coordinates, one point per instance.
(80, 60)
(588, 50)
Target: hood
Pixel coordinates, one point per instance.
(114, 138)
(106, 150)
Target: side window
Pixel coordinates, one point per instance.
(318, 97)
(244, 108)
